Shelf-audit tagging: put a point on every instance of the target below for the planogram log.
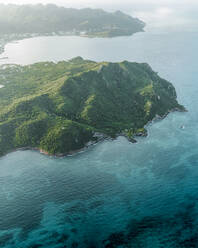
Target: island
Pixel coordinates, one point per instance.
(59, 108)
(25, 21)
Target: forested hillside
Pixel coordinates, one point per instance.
(44, 19)
(60, 107)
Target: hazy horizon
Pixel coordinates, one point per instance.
(170, 15)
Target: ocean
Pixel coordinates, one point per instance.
(115, 194)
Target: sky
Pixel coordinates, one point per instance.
(170, 14)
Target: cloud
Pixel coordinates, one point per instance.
(106, 2)
(159, 13)
(156, 16)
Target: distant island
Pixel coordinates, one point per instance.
(62, 107)
(42, 19)
(24, 21)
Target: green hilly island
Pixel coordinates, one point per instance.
(60, 107)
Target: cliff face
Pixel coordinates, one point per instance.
(58, 107)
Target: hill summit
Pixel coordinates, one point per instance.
(59, 107)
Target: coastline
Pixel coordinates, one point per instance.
(60, 155)
(5, 39)
(102, 137)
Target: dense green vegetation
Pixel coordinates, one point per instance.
(45, 19)
(60, 107)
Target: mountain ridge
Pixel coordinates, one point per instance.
(45, 19)
(59, 107)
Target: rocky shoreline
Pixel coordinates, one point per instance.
(59, 155)
(101, 137)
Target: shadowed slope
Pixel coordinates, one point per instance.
(59, 107)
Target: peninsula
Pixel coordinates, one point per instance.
(60, 107)
(25, 21)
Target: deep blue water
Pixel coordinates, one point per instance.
(116, 194)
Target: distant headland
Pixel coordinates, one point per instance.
(25, 21)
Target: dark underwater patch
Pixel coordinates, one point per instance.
(179, 231)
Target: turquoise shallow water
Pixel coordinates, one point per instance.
(116, 194)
